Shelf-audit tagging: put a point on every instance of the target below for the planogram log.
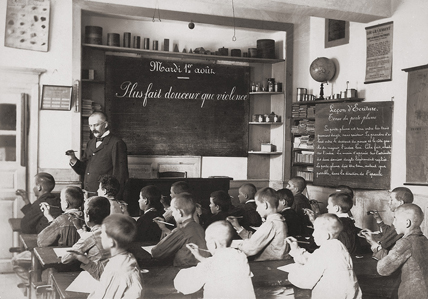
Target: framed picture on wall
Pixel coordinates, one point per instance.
(56, 97)
(336, 33)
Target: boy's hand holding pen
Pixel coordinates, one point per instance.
(45, 208)
(234, 221)
(162, 224)
(81, 257)
(292, 242)
(194, 249)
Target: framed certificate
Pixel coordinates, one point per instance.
(56, 97)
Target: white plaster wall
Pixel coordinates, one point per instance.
(409, 50)
(54, 126)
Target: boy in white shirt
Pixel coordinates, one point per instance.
(268, 242)
(224, 275)
(328, 271)
(119, 275)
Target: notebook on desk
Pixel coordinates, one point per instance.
(61, 251)
(83, 283)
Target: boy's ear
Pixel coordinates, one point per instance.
(408, 223)
(112, 242)
(337, 208)
(266, 205)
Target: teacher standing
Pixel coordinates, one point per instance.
(104, 154)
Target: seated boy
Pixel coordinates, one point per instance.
(34, 221)
(297, 185)
(408, 254)
(388, 236)
(109, 187)
(167, 215)
(96, 209)
(61, 230)
(285, 202)
(119, 275)
(224, 275)
(187, 231)
(147, 229)
(220, 206)
(248, 205)
(339, 204)
(268, 241)
(328, 271)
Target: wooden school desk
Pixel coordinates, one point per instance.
(158, 282)
(268, 281)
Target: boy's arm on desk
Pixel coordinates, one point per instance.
(95, 268)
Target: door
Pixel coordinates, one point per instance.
(13, 160)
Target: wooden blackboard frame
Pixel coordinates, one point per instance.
(353, 145)
(417, 126)
(168, 107)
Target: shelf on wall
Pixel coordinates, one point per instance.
(265, 123)
(93, 81)
(170, 54)
(264, 153)
(302, 164)
(265, 92)
(328, 101)
(303, 149)
(301, 118)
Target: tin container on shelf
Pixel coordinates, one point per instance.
(266, 147)
(301, 92)
(94, 35)
(113, 39)
(271, 84)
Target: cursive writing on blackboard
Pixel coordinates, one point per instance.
(130, 90)
(188, 68)
(353, 144)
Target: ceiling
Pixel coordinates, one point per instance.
(288, 11)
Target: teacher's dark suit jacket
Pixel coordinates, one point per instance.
(109, 158)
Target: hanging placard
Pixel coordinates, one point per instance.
(379, 53)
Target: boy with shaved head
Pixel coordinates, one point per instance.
(409, 253)
(247, 203)
(187, 231)
(328, 271)
(268, 241)
(224, 275)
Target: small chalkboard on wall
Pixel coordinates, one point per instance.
(353, 144)
(166, 107)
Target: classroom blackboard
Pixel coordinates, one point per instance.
(353, 144)
(417, 126)
(167, 107)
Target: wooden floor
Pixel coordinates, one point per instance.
(8, 287)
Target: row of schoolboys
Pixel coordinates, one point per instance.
(188, 242)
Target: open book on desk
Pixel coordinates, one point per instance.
(83, 283)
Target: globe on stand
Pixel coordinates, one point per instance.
(322, 70)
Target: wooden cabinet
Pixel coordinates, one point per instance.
(303, 134)
(267, 165)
